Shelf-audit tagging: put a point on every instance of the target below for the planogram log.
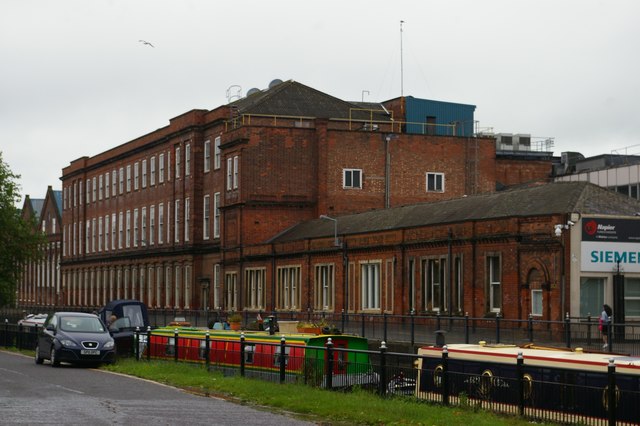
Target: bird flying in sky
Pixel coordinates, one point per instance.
(146, 42)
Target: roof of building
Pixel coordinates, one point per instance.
(294, 99)
(36, 206)
(541, 200)
(57, 197)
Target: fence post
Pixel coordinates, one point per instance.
(136, 344)
(362, 317)
(241, 353)
(382, 385)
(610, 334)
(445, 375)
(384, 322)
(329, 370)
(283, 361)
(530, 327)
(148, 343)
(466, 327)
(498, 315)
(567, 328)
(6, 332)
(438, 321)
(520, 375)
(176, 346)
(611, 394)
(207, 350)
(589, 329)
(413, 327)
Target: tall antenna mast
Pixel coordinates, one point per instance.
(401, 64)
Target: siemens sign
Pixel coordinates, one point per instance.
(607, 243)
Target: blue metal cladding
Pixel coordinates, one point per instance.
(422, 114)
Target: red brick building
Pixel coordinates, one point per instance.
(177, 217)
(41, 283)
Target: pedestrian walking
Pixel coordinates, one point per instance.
(605, 320)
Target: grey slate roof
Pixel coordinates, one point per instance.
(291, 98)
(542, 200)
(36, 205)
(57, 198)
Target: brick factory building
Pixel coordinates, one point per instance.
(184, 216)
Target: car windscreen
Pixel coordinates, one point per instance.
(134, 313)
(81, 324)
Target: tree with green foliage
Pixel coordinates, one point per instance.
(19, 240)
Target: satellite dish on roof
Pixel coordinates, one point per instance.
(274, 83)
(252, 91)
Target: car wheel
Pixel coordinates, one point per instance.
(39, 360)
(54, 361)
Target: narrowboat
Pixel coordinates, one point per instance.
(305, 354)
(571, 382)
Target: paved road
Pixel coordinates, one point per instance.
(38, 394)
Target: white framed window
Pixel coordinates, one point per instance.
(168, 221)
(121, 181)
(93, 235)
(107, 233)
(87, 198)
(161, 168)
(231, 290)
(135, 227)
(87, 236)
(187, 159)
(120, 229)
(255, 288)
(536, 302)
(434, 273)
(324, 287)
(113, 231)
(75, 194)
(64, 198)
(229, 173)
(100, 187)
(288, 287)
(128, 177)
(168, 166)
(236, 171)
(494, 283)
(160, 222)
(216, 287)
(152, 223)
(128, 234)
(143, 226)
(352, 178)
(632, 297)
(216, 153)
(94, 189)
(152, 172)
(176, 221)
(144, 173)
(114, 183)
(216, 215)
(207, 156)
(370, 285)
(178, 162)
(187, 213)
(106, 185)
(100, 234)
(435, 182)
(205, 218)
(136, 175)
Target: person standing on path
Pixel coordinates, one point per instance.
(605, 320)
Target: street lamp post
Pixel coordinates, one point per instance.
(335, 228)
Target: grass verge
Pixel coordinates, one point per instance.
(358, 407)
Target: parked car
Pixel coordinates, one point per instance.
(33, 320)
(123, 317)
(74, 337)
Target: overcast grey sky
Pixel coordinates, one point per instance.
(75, 80)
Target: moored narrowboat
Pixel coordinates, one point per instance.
(571, 382)
(305, 355)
